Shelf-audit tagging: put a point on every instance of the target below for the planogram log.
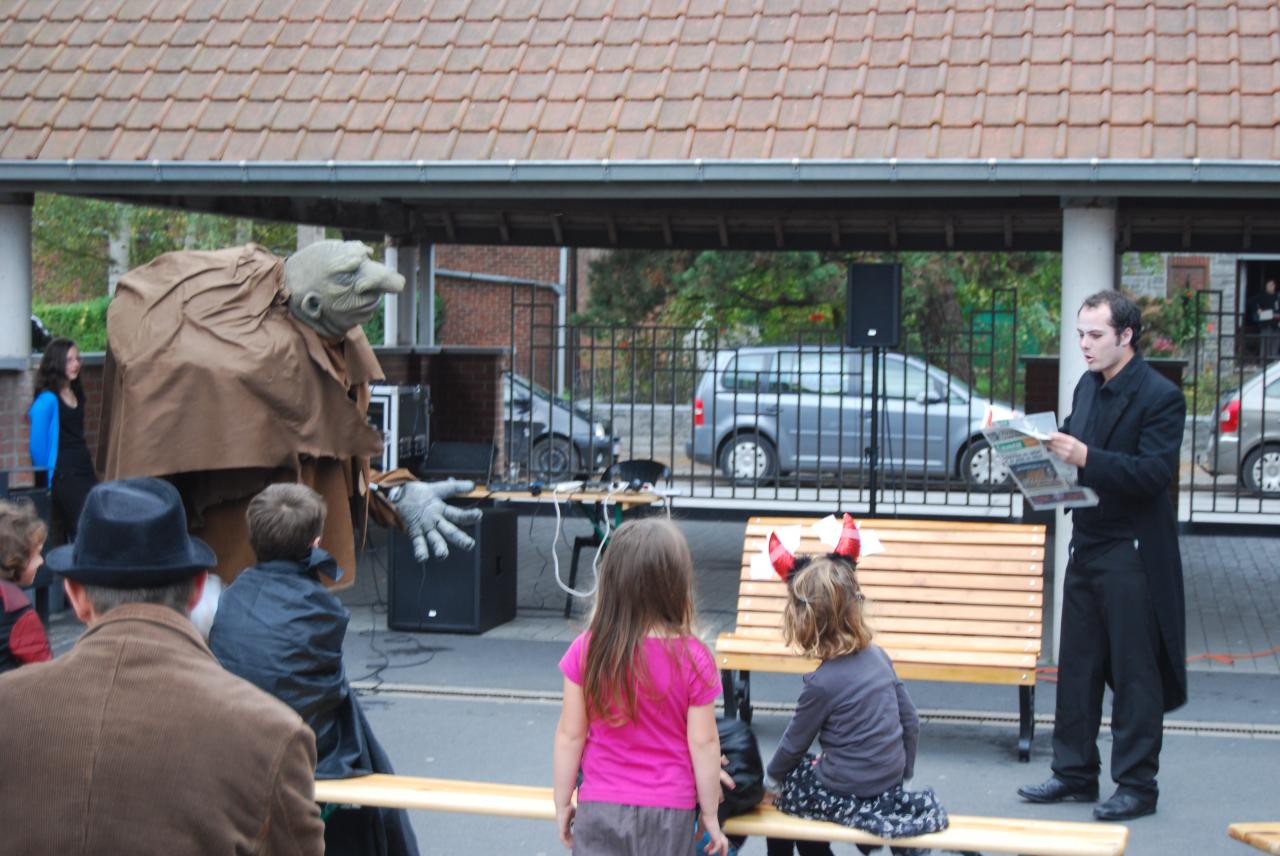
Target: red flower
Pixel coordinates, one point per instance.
(817, 316)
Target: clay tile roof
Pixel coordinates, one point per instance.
(570, 79)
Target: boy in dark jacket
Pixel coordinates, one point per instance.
(279, 628)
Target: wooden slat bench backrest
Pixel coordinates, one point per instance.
(943, 595)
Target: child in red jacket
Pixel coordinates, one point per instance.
(22, 638)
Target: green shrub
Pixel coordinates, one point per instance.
(84, 321)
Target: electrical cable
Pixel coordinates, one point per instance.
(555, 558)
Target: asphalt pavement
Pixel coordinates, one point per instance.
(484, 707)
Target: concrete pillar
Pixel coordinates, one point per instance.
(1088, 266)
(15, 282)
(390, 305)
(308, 235)
(399, 318)
(426, 317)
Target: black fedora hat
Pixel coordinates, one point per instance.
(132, 533)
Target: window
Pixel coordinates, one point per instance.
(821, 373)
(746, 373)
(898, 379)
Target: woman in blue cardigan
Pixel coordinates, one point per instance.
(57, 430)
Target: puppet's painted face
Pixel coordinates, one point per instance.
(335, 285)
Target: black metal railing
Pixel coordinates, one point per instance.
(1232, 386)
(781, 423)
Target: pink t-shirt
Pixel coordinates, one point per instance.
(646, 761)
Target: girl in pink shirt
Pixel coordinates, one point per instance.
(638, 719)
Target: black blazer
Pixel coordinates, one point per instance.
(1135, 461)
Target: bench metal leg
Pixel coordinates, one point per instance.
(579, 544)
(737, 694)
(1026, 721)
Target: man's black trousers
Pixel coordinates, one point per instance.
(1109, 638)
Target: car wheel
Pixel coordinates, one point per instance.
(1260, 472)
(981, 468)
(554, 459)
(748, 459)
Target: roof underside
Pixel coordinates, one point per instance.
(899, 124)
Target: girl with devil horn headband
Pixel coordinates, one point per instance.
(853, 703)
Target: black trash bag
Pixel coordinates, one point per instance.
(738, 744)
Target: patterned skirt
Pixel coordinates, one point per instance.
(896, 813)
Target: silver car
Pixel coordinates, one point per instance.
(1245, 441)
(762, 412)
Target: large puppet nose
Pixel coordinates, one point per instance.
(379, 279)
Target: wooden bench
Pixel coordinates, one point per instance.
(948, 601)
(983, 834)
(1263, 836)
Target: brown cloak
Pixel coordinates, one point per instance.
(212, 383)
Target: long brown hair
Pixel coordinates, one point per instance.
(646, 586)
(823, 616)
(52, 373)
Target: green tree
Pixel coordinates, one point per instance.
(71, 234)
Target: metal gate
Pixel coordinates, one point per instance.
(1231, 461)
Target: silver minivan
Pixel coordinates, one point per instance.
(1245, 441)
(764, 412)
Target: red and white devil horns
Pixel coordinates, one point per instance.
(850, 543)
(782, 559)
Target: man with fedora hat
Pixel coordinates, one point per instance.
(137, 741)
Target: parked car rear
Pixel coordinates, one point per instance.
(764, 412)
(550, 438)
(1245, 441)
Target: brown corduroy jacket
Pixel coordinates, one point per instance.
(138, 742)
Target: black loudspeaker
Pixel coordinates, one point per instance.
(873, 306)
(469, 592)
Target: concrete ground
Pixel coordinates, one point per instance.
(484, 707)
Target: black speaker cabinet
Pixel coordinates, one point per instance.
(873, 310)
(469, 592)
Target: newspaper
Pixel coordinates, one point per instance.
(1044, 479)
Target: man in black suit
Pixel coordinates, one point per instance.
(1123, 621)
(1264, 315)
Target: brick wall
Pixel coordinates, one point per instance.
(480, 313)
(466, 391)
(540, 263)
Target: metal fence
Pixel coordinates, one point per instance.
(783, 425)
(786, 425)
(1231, 472)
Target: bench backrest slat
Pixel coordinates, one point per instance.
(941, 592)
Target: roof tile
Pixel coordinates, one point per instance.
(595, 78)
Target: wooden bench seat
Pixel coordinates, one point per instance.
(948, 601)
(982, 834)
(1263, 836)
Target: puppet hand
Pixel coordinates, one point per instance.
(431, 523)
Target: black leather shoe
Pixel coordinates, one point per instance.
(1055, 791)
(1125, 806)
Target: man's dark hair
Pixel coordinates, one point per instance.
(284, 520)
(1124, 313)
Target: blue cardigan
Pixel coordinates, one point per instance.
(43, 443)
